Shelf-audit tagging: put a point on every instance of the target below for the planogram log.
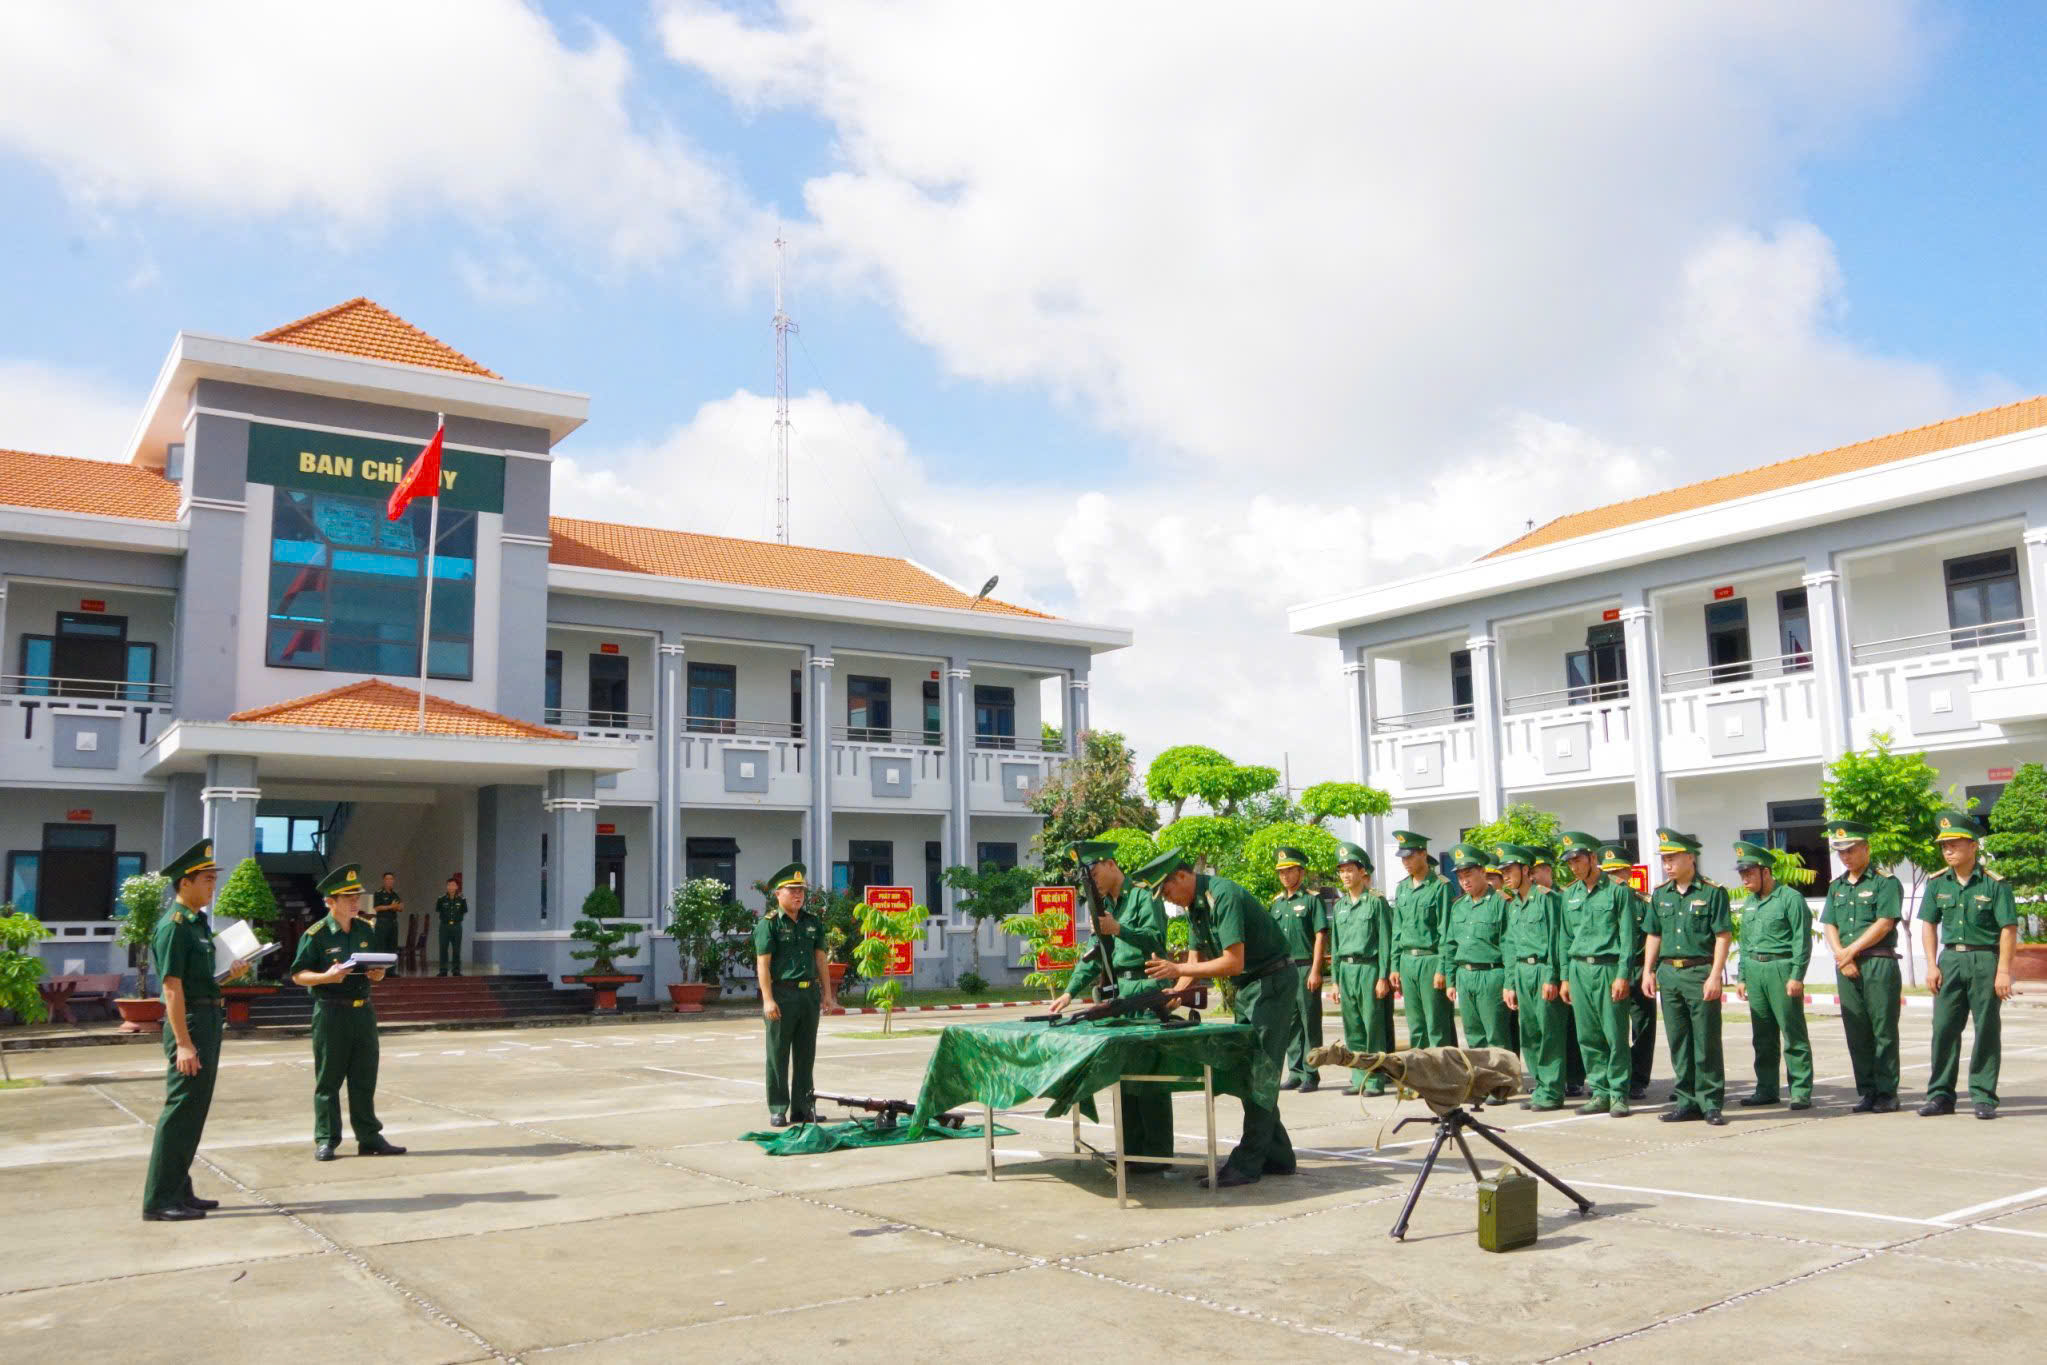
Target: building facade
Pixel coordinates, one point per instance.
(221, 634)
(1697, 657)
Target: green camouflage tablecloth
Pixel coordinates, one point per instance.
(810, 1139)
(1006, 1064)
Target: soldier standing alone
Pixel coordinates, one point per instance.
(1361, 933)
(1421, 912)
(1304, 921)
(1689, 915)
(388, 917)
(1776, 946)
(344, 1021)
(796, 988)
(449, 912)
(1971, 978)
(1861, 924)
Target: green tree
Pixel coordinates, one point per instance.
(1051, 736)
(20, 970)
(1894, 794)
(707, 924)
(991, 893)
(1134, 848)
(882, 930)
(1173, 775)
(2017, 845)
(604, 928)
(1520, 823)
(247, 896)
(143, 898)
(1273, 807)
(1210, 840)
(1343, 801)
(1253, 865)
(1096, 791)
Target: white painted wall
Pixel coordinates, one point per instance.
(32, 607)
(577, 645)
(1681, 620)
(1532, 654)
(1419, 676)
(1904, 592)
(760, 676)
(906, 686)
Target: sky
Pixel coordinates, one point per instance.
(1172, 315)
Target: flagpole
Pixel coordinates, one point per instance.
(433, 540)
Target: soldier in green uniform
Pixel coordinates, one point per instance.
(1545, 877)
(1613, 860)
(1361, 942)
(1598, 944)
(1234, 936)
(1304, 920)
(1421, 912)
(1533, 948)
(449, 912)
(1689, 916)
(1472, 946)
(344, 1021)
(1776, 945)
(1861, 925)
(796, 988)
(1136, 926)
(1971, 978)
(182, 948)
(388, 917)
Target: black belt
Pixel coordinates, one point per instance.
(1890, 953)
(1606, 960)
(1418, 952)
(1302, 961)
(1968, 947)
(1352, 957)
(1767, 957)
(1478, 966)
(1683, 962)
(1528, 961)
(1260, 973)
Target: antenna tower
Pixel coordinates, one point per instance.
(784, 325)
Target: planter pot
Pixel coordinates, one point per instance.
(238, 998)
(2029, 963)
(689, 996)
(140, 1016)
(606, 988)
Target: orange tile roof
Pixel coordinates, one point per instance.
(361, 327)
(1903, 445)
(60, 483)
(376, 705)
(757, 564)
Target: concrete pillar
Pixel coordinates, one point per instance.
(184, 815)
(510, 825)
(1829, 662)
(959, 753)
(1645, 722)
(817, 730)
(2036, 577)
(570, 804)
(668, 834)
(1077, 721)
(229, 798)
(1485, 713)
(1358, 672)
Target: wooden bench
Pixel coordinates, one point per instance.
(67, 996)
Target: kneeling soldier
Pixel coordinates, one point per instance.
(1863, 908)
(1972, 978)
(1532, 946)
(796, 988)
(1776, 945)
(1362, 929)
(1472, 946)
(183, 949)
(344, 1022)
(1689, 915)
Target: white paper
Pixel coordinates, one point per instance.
(366, 960)
(236, 944)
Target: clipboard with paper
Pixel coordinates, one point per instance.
(235, 945)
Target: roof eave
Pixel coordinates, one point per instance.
(50, 526)
(184, 746)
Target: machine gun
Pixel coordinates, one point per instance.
(1159, 1004)
(886, 1112)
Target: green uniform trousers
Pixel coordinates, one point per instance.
(1574, 1056)
(1869, 1016)
(451, 948)
(1268, 1006)
(1479, 1006)
(1967, 992)
(1431, 1018)
(1367, 1020)
(1641, 1031)
(1147, 1108)
(792, 1049)
(183, 1116)
(1777, 1024)
(344, 1049)
(1691, 1024)
(1542, 1030)
(1306, 1034)
(1602, 1028)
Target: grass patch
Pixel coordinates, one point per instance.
(25, 1083)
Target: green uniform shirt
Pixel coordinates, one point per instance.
(451, 909)
(1300, 917)
(1600, 922)
(1974, 911)
(1852, 906)
(790, 945)
(1421, 912)
(380, 899)
(327, 943)
(1475, 929)
(1779, 924)
(1143, 936)
(1687, 921)
(1223, 913)
(1363, 927)
(1535, 929)
(183, 948)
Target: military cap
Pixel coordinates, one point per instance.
(1575, 842)
(1469, 855)
(190, 863)
(1514, 853)
(1957, 824)
(1283, 856)
(1409, 842)
(1154, 873)
(1544, 855)
(789, 874)
(1614, 858)
(1673, 841)
(345, 880)
(1352, 853)
(1841, 832)
(1091, 850)
(1750, 854)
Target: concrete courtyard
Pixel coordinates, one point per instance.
(577, 1193)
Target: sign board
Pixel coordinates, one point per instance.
(92, 604)
(1722, 594)
(607, 648)
(607, 829)
(1059, 900)
(363, 467)
(2000, 775)
(1638, 877)
(902, 956)
(1610, 614)
(79, 813)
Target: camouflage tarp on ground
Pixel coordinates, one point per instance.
(1444, 1077)
(808, 1139)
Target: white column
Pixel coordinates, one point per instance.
(1829, 661)
(1485, 710)
(667, 745)
(2036, 577)
(1359, 672)
(1076, 710)
(1645, 722)
(817, 851)
(958, 753)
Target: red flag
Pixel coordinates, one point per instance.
(423, 480)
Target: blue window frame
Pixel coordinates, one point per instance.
(713, 698)
(126, 865)
(24, 867)
(994, 717)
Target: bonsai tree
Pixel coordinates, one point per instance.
(1520, 823)
(1253, 867)
(1894, 794)
(20, 970)
(1210, 840)
(1134, 847)
(883, 930)
(2017, 845)
(1343, 801)
(247, 897)
(703, 919)
(143, 898)
(600, 928)
(992, 893)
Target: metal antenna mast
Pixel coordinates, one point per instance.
(784, 325)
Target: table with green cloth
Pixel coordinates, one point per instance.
(998, 1066)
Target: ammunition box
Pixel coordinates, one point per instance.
(1506, 1211)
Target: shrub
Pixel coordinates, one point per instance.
(247, 896)
(706, 924)
(599, 928)
(143, 898)
(972, 983)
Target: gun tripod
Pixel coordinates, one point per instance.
(1453, 1125)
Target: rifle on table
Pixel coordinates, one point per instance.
(1160, 1004)
(887, 1111)
(1098, 942)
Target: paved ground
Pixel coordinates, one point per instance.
(577, 1193)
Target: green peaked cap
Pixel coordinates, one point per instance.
(1091, 850)
(1409, 842)
(1613, 858)
(1469, 855)
(194, 860)
(1847, 832)
(1957, 824)
(345, 880)
(1576, 841)
(1353, 853)
(789, 874)
(1154, 873)
(1676, 841)
(1514, 853)
(1748, 853)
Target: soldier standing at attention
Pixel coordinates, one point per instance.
(1545, 878)
(449, 912)
(1776, 945)
(1304, 920)
(389, 918)
(1533, 947)
(1138, 927)
(1599, 942)
(1472, 945)
(1863, 908)
(1972, 975)
(1234, 936)
(796, 988)
(1361, 930)
(182, 948)
(1689, 915)
(1613, 860)
(1421, 912)
(344, 1021)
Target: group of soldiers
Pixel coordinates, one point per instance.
(388, 915)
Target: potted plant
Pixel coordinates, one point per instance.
(20, 970)
(600, 927)
(143, 898)
(2017, 849)
(840, 913)
(247, 897)
(704, 921)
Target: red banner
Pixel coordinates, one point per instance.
(92, 604)
(1610, 614)
(78, 813)
(1638, 877)
(2000, 775)
(1059, 900)
(902, 959)
(1722, 594)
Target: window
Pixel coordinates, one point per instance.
(870, 862)
(23, 869)
(1598, 672)
(713, 857)
(75, 874)
(289, 834)
(713, 698)
(934, 874)
(345, 586)
(1800, 827)
(867, 709)
(126, 865)
(88, 656)
(796, 705)
(1986, 795)
(141, 673)
(611, 864)
(553, 687)
(1002, 855)
(994, 717)
(1460, 685)
(608, 689)
(38, 665)
(1727, 651)
(1794, 630)
(1983, 599)
(1578, 676)
(1630, 838)
(934, 713)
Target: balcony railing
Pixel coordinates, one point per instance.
(1943, 641)
(601, 722)
(1748, 670)
(1591, 694)
(751, 729)
(40, 687)
(1419, 720)
(1020, 744)
(870, 734)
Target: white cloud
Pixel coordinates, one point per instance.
(62, 412)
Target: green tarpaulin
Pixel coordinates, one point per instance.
(1009, 1063)
(808, 1139)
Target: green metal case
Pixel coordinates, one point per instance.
(1506, 1211)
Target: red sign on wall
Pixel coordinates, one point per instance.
(1638, 877)
(1722, 594)
(2000, 774)
(607, 648)
(78, 813)
(902, 956)
(607, 829)
(1059, 900)
(92, 604)
(1610, 614)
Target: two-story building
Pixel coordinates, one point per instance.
(1695, 658)
(220, 633)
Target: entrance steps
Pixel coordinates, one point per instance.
(438, 999)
